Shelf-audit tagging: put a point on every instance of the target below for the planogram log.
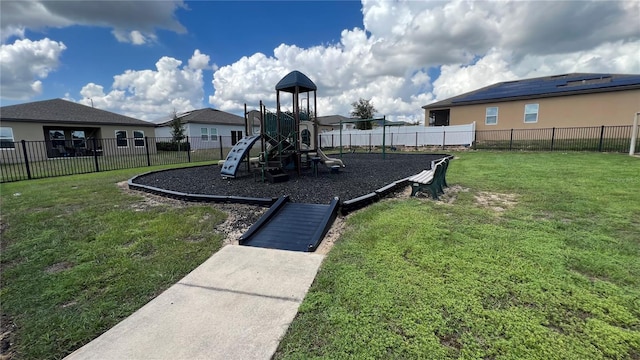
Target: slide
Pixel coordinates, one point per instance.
(291, 226)
(237, 153)
(329, 162)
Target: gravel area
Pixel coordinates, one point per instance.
(363, 174)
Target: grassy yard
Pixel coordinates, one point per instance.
(536, 258)
(79, 255)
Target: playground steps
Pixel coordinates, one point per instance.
(276, 175)
(291, 226)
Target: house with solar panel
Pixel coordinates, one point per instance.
(561, 101)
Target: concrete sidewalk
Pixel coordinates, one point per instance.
(236, 305)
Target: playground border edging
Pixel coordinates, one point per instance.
(198, 197)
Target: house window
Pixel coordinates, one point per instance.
(531, 113)
(79, 140)
(121, 138)
(138, 138)
(204, 134)
(491, 117)
(6, 138)
(214, 134)
(57, 139)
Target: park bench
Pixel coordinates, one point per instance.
(432, 180)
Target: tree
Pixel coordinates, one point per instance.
(363, 109)
(177, 129)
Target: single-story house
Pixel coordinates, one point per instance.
(569, 100)
(62, 128)
(208, 128)
(332, 122)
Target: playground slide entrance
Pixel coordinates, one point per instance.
(291, 226)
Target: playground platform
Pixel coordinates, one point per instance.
(236, 305)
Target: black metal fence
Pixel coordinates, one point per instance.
(596, 138)
(43, 159)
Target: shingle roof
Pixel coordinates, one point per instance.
(208, 116)
(331, 120)
(59, 110)
(548, 86)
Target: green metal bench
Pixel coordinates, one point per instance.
(432, 180)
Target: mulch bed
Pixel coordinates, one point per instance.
(364, 173)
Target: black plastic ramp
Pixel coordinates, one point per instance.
(235, 156)
(291, 226)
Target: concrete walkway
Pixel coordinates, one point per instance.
(236, 305)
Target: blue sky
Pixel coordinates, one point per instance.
(146, 58)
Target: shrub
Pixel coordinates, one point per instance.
(173, 146)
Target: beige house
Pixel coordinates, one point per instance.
(59, 128)
(570, 100)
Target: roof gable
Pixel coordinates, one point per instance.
(549, 86)
(63, 111)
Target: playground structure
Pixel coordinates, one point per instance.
(288, 140)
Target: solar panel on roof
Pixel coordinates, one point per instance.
(552, 85)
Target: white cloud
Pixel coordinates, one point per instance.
(473, 44)
(135, 37)
(153, 94)
(131, 21)
(459, 78)
(199, 61)
(23, 63)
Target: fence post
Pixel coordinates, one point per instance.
(511, 141)
(416, 141)
(475, 139)
(369, 142)
(146, 148)
(601, 138)
(26, 158)
(220, 142)
(188, 148)
(95, 154)
(444, 136)
(553, 137)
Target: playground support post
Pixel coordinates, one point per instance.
(246, 121)
(341, 139)
(634, 134)
(384, 130)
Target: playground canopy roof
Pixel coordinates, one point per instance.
(293, 79)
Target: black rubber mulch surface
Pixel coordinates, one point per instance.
(364, 173)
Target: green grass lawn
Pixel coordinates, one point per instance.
(553, 274)
(79, 255)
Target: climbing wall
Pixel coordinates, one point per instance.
(237, 153)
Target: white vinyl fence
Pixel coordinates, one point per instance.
(458, 135)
